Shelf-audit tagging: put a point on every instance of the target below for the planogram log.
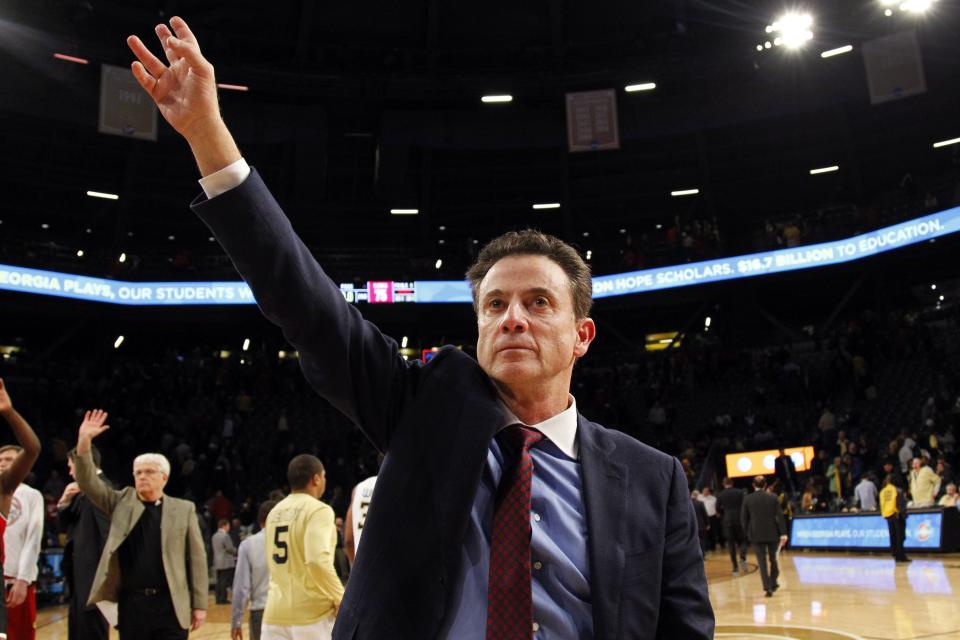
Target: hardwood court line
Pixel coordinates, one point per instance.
(953, 633)
(816, 632)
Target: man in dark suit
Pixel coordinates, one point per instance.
(86, 528)
(729, 504)
(762, 521)
(501, 510)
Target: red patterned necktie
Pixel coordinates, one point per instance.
(509, 598)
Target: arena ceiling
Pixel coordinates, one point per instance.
(356, 108)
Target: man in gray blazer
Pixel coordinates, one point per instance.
(224, 559)
(153, 565)
(766, 530)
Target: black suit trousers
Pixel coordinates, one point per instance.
(143, 617)
(84, 623)
(768, 575)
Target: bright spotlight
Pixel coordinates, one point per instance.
(122, 258)
(946, 143)
(246, 344)
(79, 253)
(589, 254)
(496, 99)
(793, 29)
(439, 263)
(404, 342)
(118, 342)
(916, 6)
(830, 169)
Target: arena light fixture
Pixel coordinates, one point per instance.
(684, 192)
(831, 169)
(79, 253)
(589, 254)
(497, 99)
(66, 58)
(118, 342)
(404, 342)
(101, 194)
(122, 258)
(792, 30)
(232, 87)
(404, 212)
(836, 52)
(246, 344)
(643, 86)
(916, 6)
(44, 226)
(933, 287)
(707, 322)
(546, 205)
(945, 143)
(439, 263)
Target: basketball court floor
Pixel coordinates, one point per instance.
(821, 597)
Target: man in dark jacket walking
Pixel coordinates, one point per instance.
(762, 521)
(729, 504)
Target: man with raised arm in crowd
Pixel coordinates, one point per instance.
(153, 565)
(86, 528)
(500, 510)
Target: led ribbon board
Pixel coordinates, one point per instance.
(866, 531)
(901, 235)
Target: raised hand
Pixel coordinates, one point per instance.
(5, 403)
(186, 90)
(93, 424)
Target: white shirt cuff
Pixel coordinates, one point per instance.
(225, 179)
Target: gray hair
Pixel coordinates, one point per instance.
(156, 459)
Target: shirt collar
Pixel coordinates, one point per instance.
(561, 429)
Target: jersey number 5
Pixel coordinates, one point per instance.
(280, 555)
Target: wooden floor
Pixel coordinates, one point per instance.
(821, 597)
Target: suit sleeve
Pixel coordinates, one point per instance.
(685, 610)
(196, 562)
(745, 517)
(345, 358)
(92, 485)
(319, 546)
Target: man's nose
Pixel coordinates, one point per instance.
(515, 319)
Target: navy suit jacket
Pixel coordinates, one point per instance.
(434, 422)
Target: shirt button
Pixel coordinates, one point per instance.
(538, 565)
(536, 627)
(536, 517)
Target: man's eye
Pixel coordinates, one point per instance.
(495, 304)
(541, 301)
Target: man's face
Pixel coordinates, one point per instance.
(951, 490)
(916, 465)
(528, 333)
(149, 481)
(6, 459)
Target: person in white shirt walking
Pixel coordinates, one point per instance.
(251, 581)
(865, 494)
(710, 504)
(21, 542)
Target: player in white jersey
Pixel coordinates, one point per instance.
(357, 516)
(301, 538)
(21, 542)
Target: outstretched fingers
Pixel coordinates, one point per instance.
(147, 60)
(190, 52)
(182, 30)
(164, 34)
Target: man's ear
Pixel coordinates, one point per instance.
(586, 332)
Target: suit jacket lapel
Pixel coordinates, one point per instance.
(604, 496)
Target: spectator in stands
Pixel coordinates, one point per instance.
(710, 504)
(924, 484)
(894, 509)
(786, 472)
(891, 468)
(657, 415)
(835, 479)
(949, 499)
(865, 495)
(828, 421)
(906, 454)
